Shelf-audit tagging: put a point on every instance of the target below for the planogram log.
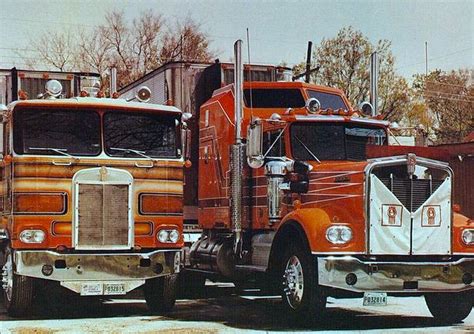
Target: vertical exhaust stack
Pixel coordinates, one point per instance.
(113, 81)
(237, 153)
(374, 69)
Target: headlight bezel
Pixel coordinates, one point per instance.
(168, 236)
(463, 236)
(32, 236)
(339, 234)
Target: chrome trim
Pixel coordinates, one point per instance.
(393, 161)
(95, 266)
(96, 176)
(390, 276)
(338, 118)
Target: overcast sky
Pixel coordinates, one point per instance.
(279, 29)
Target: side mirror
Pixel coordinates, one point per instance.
(313, 105)
(255, 157)
(186, 142)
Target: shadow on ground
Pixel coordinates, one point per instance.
(223, 305)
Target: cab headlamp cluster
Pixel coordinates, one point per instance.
(339, 234)
(467, 237)
(168, 236)
(32, 236)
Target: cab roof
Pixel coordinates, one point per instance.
(90, 102)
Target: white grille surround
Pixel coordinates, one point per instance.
(394, 229)
(103, 209)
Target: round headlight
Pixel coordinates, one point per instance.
(468, 237)
(339, 234)
(163, 236)
(174, 236)
(32, 236)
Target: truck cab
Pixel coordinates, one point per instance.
(91, 198)
(312, 208)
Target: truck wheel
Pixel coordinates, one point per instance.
(17, 290)
(449, 307)
(160, 293)
(300, 292)
(191, 284)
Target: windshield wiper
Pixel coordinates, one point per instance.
(131, 150)
(307, 149)
(61, 151)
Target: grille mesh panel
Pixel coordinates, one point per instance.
(103, 215)
(402, 189)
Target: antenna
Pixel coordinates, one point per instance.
(308, 62)
(250, 71)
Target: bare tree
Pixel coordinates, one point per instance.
(56, 50)
(186, 41)
(134, 48)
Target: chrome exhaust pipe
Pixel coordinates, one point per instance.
(113, 81)
(374, 69)
(237, 153)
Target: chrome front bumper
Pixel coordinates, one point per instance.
(394, 277)
(73, 270)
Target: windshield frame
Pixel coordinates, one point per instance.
(102, 153)
(344, 124)
(15, 128)
(108, 149)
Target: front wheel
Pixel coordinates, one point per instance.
(160, 293)
(449, 307)
(302, 296)
(17, 290)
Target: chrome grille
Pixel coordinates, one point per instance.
(411, 193)
(102, 216)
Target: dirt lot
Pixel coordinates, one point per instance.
(220, 310)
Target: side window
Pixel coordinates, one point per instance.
(278, 149)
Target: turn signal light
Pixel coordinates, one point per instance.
(27, 203)
(143, 228)
(62, 228)
(161, 204)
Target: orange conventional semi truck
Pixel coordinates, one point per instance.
(91, 198)
(296, 201)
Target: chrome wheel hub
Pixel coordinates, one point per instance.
(7, 276)
(293, 282)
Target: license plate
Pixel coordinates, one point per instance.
(375, 299)
(92, 289)
(114, 289)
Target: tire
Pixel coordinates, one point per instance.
(191, 284)
(449, 308)
(301, 294)
(18, 291)
(160, 293)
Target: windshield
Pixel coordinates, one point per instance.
(273, 98)
(56, 132)
(142, 135)
(333, 141)
(328, 100)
